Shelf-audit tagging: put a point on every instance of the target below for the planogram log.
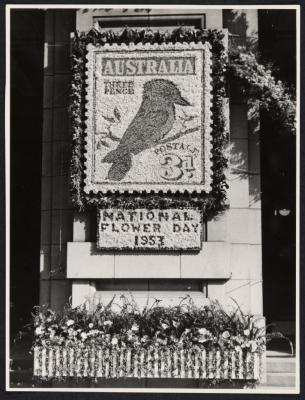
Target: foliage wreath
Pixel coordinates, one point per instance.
(215, 200)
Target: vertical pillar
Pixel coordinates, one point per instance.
(56, 209)
(82, 228)
(244, 216)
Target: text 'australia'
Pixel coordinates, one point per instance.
(148, 66)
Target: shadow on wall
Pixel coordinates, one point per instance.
(242, 28)
(240, 170)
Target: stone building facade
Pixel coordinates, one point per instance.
(230, 262)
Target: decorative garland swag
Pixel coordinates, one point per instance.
(210, 203)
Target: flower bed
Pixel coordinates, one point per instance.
(184, 341)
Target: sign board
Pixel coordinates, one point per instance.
(170, 229)
(148, 118)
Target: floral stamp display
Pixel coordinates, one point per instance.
(154, 229)
(84, 192)
(148, 120)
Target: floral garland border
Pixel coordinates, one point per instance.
(210, 203)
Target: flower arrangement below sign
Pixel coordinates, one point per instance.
(184, 341)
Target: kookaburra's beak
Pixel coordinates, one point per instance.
(182, 102)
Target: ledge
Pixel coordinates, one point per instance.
(84, 261)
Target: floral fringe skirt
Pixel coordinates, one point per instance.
(159, 363)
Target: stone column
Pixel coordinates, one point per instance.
(244, 216)
(56, 209)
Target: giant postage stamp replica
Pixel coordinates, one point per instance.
(148, 118)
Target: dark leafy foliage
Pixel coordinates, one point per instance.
(184, 326)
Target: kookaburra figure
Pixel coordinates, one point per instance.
(153, 121)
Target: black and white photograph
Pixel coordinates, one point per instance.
(152, 198)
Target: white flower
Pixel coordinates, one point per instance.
(246, 332)
(39, 331)
(70, 322)
(144, 339)
(204, 335)
(135, 328)
(114, 341)
(71, 331)
(253, 346)
(187, 331)
(90, 325)
(107, 323)
(164, 326)
(83, 335)
(226, 334)
(175, 323)
(203, 331)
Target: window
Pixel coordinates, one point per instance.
(156, 21)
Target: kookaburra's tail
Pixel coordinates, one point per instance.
(121, 164)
